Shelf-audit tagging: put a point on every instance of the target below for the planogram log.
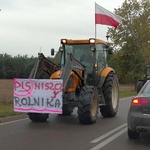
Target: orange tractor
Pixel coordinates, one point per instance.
(88, 84)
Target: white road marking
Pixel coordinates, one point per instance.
(126, 98)
(108, 133)
(99, 146)
(12, 121)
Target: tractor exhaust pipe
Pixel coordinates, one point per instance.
(141, 129)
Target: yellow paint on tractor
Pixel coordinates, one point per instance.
(76, 81)
(87, 41)
(104, 72)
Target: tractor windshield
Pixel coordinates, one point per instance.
(81, 52)
(78, 50)
(85, 56)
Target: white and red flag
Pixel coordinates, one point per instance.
(105, 17)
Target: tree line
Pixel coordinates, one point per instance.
(15, 67)
(19, 66)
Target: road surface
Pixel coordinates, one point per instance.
(66, 133)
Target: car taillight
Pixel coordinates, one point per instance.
(139, 101)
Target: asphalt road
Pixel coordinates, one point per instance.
(66, 133)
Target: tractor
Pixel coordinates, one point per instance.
(146, 77)
(89, 85)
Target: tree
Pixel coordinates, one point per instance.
(131, 40)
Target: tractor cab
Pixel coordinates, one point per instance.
(92, 53)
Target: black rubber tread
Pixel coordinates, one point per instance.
(139, 85)
(66, 110)
(38, 117)
(85, 105)
(108, 110)
(133, 134)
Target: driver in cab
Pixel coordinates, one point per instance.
(86, 57)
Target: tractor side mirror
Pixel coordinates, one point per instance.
(52, 52)
(61, 49)
(110, 50)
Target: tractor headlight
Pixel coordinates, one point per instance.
(92, 41)
(63, 41)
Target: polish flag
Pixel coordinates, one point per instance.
(103, 16)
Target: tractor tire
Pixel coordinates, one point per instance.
(88, 105)
(139, 85)
(111, 95)
(66, 110)
(133, 134)
(38, 117)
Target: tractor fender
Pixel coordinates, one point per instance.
(102, 74)
(56, 74)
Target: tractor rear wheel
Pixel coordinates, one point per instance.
(111, 95)
(88, 105)
(139, 85)
(38, 117)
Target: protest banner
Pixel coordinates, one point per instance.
(38, 95)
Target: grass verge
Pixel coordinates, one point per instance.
(7, 109)
(123, 94)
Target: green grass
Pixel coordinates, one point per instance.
(123, 94)
(7, 109)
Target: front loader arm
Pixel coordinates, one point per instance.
(72, 64)
(42, 64)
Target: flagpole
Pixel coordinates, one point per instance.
(95, 25)
(95, 32)
(95, 22)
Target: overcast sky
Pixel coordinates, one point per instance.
(31, 26)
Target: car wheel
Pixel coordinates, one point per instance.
(133, 134)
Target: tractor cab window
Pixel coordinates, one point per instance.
(81, 52)
(65, 54)
(101, 55)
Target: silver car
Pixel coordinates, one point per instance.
(139, 113)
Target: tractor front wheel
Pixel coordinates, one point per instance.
(38, 117)
(88, 105)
